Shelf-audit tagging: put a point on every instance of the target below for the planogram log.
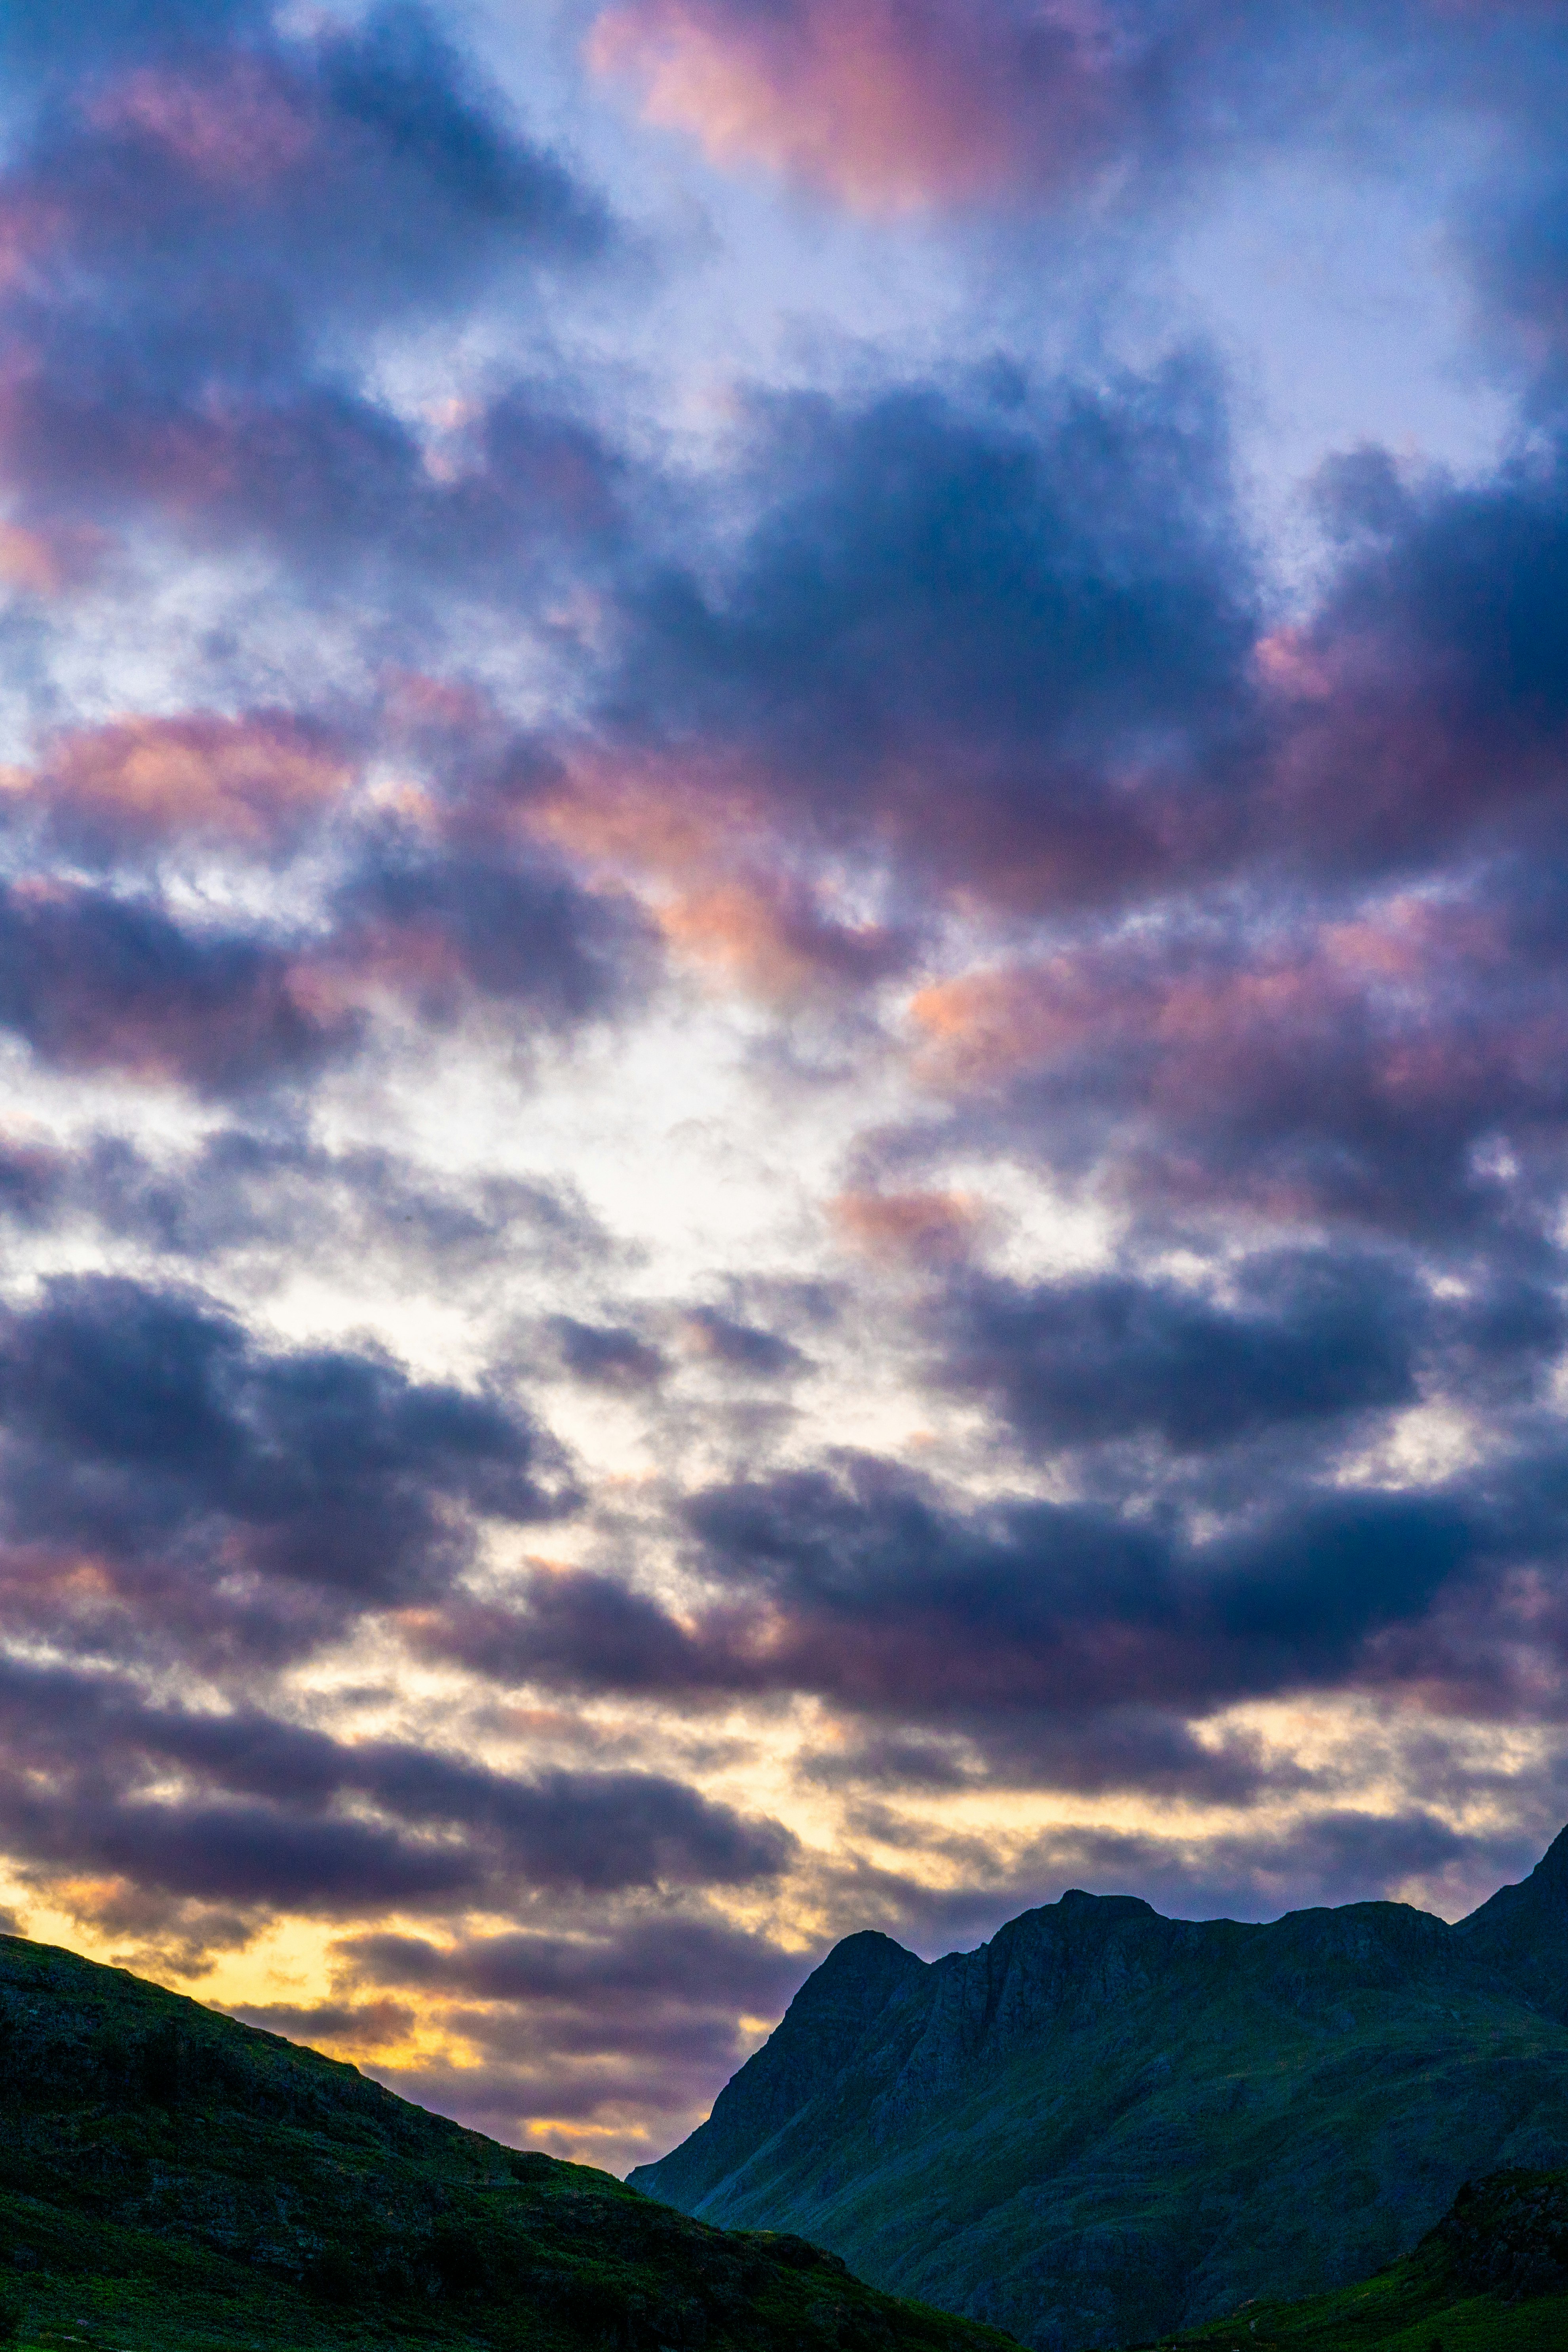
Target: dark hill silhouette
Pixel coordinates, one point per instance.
(1104, 2125)
(171, 2179)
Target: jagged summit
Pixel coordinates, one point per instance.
(1103, 2123)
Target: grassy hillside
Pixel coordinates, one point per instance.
(172, 2181)
(1105, 2124)
(1492, 2277)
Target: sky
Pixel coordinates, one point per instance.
(784, 995)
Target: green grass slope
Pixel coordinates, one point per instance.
(172, 2181)
(1105, 2124)
(1492, 2277)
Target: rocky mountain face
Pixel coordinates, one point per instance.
(1105, 2125)
(173, 2180)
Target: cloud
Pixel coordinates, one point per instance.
(607, 1356)
(307, 153)
(619, 2034)
(1014, 650)
(884, 107)
(738, 1347)
(100, 978)
(1365, 1065)
(889, 106)
(882, 1591)
(281, 1193)
(250, 781)
(446, 929)
(229, 1497)
(931, 1228)
(870, 1589)
(92, 980)
(1422, 710)
(272, 1814)
(684, 1963)
(1312, 1335)
(196, 235)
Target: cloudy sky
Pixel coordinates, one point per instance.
(784, 995)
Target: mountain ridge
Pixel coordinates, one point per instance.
(1103, 2125)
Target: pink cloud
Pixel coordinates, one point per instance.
(884, 104)
(927, 1228)
(696, 842)
(240, 128)
(1286, 1073)
(31, 227)
(44, 563)
(250, 781)
(773, 937)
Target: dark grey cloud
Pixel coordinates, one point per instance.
(236, 1496)
(959, 629)
(740, 1346)
(606, 1355)
(273, 1813)
(247, 1190)
(685, 1962)
(91, 981)
(1060, 1644)
(1312, 1335)
(446, 929)
(1388, 1068)
(364, 170)
(207, 222)
(93, 978)
(1143, 1746)
(1428, 713)
(1067, 1606)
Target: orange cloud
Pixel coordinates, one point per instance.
(885, 104)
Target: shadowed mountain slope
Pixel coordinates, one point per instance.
(1491, 2277)
(1522, 1932)
(1105, 2124)
(171, 2179)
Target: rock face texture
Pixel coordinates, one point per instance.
(1104, 2125)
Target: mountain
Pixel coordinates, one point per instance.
(171, 2179)
(1522, 1932)
(1105, 2125)
(1491, 2277)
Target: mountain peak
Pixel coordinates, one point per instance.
(867, 1948)
(1523, 1931)
(1108, 1902)
(1103, 2125)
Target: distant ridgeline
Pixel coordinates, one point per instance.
(1105, 2125)
(172, 2182)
